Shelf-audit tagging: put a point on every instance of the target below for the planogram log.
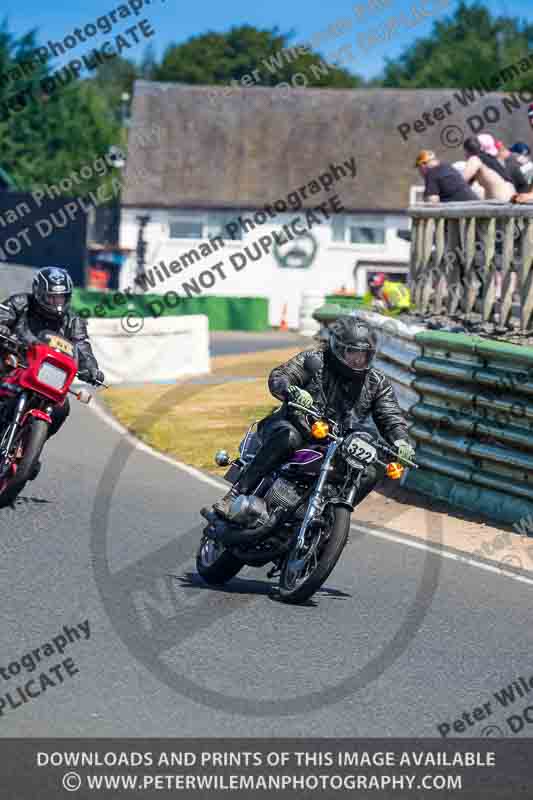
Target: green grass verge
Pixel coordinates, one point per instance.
(192, 421)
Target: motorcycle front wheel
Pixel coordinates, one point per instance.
(302, 574)
(30, 441)
(215, 564)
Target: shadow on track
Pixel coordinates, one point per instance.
(191, 580)
(25, 500)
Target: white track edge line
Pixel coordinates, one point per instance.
(145, 448)
(443, 552)
(381, 534)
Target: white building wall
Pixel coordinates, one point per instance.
(332, 268)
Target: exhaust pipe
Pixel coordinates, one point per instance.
(232, 536)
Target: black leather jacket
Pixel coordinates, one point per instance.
(347, 402)
(19, 314)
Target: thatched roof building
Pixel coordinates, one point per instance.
(245, 147)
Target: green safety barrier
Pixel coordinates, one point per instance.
(473, 423)
(350, 303)
(344, 301)
(224, 313)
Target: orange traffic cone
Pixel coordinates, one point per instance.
(284, 324)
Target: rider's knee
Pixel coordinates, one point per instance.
(288, 437)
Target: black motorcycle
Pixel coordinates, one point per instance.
(298, 518)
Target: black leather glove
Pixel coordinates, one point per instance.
(91, 375)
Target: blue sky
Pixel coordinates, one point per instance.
(176, 22)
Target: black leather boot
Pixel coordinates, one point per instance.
(275, 448)
(222, 506)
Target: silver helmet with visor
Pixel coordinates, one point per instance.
(52, 291)
(352, 345)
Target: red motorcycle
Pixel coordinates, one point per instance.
(39, 377)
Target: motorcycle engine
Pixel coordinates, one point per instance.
(283, 494)
(249, 511)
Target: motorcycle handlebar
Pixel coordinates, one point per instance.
(313, 411)
(316, 414)
(12, 340)
(91, 383)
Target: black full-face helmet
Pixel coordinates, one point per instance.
(52, 291)
(352, 346)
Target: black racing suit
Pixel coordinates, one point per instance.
(349, 402)
(22, 316)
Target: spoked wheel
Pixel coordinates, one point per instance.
(214, 563)
(304, 571)
(26, 451)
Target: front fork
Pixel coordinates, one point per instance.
(314, 507)
(11, 432)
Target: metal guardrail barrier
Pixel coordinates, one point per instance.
(473, 258)
(474, 418)
(469, 401)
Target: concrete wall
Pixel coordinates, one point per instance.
(163, 350)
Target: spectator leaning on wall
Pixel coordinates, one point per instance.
(523, 155)
(489, 156)
(513, 167)
(444, 184)
(479, 190)
(485, 168)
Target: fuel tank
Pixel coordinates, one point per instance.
(306, 461)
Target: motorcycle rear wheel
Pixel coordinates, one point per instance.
(32, 439)
(215, 564)
(294, 589)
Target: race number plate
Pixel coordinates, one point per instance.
(58, 343)
(359, 450)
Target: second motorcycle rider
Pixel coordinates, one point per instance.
(342, 384)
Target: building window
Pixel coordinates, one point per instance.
(359, 230)
(186, 228)
(365, 233)
(338, 228)
(217, 222)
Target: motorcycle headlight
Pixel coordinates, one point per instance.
(52, 376)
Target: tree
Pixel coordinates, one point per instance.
(218, 58)
(113, 78)
(50, 133)
(462, 51)
(148, 63)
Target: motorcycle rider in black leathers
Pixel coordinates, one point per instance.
(47, 308)
(340, 381)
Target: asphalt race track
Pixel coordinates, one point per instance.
(400, 640)
(223, 343)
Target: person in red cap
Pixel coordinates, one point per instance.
(384, 295)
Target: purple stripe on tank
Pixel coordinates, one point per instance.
(304, 457)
